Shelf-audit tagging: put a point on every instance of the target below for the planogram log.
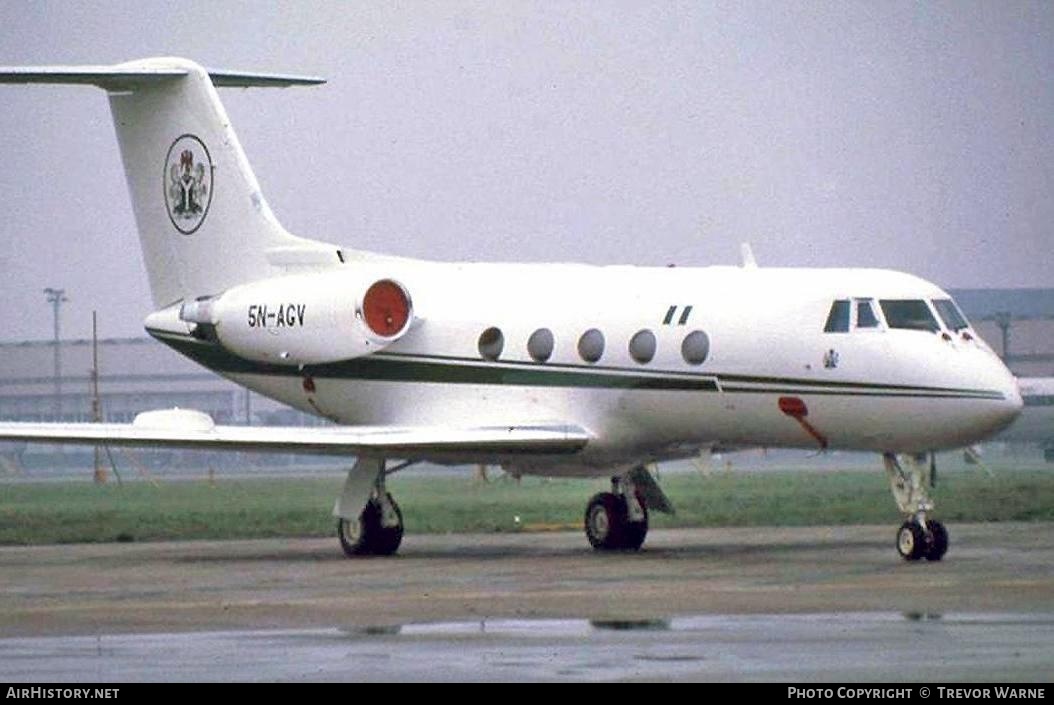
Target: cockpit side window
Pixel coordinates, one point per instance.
(909, 314)
(838, 318)
(953, 318)
(865, 314)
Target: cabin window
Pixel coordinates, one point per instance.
(642, 346)
(540, 345)
(491, 343)
(838, 318)
(591, 345)
(951, 315)
(865, 314)
(913, 314)
(695, 347)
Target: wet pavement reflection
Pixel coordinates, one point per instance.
(800, 647)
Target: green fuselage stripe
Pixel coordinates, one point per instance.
(384, 368)
(387, 367)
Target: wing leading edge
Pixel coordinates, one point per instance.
(412, 442)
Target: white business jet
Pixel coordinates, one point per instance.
(547, 369)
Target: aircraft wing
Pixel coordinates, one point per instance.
(195, 430)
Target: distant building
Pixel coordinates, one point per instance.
(1020, 319)
(135, 375)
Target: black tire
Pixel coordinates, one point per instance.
(366, 537)
(937, 545)
(388, 538)
(354, 536)
(608, 527)
(636, 532)
(605, 521)
(911, 541)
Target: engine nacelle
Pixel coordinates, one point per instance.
(306, 319)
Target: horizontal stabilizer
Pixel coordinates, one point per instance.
(245, 79)
(416, 442)
(127, 76)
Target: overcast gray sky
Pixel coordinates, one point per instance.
(914, 136)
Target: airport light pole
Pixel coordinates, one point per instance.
(98, 471)
(56, 297)
(1002, 319)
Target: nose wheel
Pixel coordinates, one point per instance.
(919, 537)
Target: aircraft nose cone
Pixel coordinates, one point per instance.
(1009, 409)
(1014, 403)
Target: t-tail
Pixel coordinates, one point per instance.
(203, 223)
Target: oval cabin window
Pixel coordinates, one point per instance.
(540, 345)
(695, 347)
(591, 345)
(491, 343)
(642, 346)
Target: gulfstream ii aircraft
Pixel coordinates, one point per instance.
(547, 369)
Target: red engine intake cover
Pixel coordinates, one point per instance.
(386, 308)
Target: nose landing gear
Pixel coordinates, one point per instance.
(918, 537)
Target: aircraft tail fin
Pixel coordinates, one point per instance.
(203, 223)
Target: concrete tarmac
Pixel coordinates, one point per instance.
(717, 604)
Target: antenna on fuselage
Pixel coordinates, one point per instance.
(748, 256)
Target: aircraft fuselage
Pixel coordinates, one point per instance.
(771, 375)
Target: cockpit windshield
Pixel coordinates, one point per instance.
(865, 314)
(859, 314)
(909, 314)
(953, 318)
(838, 318)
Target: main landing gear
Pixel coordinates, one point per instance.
(618, 520)
(372, 534)
(369, 522)
(918, 537)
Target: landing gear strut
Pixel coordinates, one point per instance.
(369, 522)
(918, 537)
